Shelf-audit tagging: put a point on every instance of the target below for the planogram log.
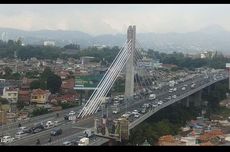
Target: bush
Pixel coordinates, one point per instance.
(39, 111)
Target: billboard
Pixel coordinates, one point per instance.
(227, 65)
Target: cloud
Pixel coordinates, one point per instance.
(112, 19)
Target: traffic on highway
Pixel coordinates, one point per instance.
(64, 129)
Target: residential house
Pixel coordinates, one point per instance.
(11, 94)
(39, 96)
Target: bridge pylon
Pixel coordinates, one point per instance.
(129, 69)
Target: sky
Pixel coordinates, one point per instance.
(97, 19)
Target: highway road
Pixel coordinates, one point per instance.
(70, 129)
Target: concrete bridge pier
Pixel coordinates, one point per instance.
(209, 89)
(187, 102)
(197, 98)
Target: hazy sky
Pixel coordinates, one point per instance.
(114, 18)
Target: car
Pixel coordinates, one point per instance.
(28, 130)
(56, 131)
(137, 115)
(20, 134)
(160, 102)
(66, 117)
(49, 124)
(22, 128)
(38, 126)
(135, 112)
(116, 104)
(154, 105)
(7, 139)
(72, 113)
(67, 143)
(37, 130)
(143, 110)
(174, 96)
(115, 111)
(56, 123)
(125, 115)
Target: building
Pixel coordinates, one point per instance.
(207, 54)
(11, 94)
(24, 96)
(49, 43)
(86, 59)
(39, 96)
(68, 85)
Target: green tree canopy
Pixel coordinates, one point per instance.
(36, 84)
(54, 83)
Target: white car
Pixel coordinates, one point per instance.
(67, 143)
(72, 113)
(154, 105)
(115, 111)
(160, 102)
(23, 129)
(135, 112)
(49, 124)
(56, 123)
(137, 115)
(7, 139)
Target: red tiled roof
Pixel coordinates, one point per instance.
(39, 91)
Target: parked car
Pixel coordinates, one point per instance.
(56, 131)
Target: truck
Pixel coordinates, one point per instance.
(7, 139)
(152, 96)
(84, 141)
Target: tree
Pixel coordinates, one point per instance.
(54, 83)
(3, 101)
(20, 104)
(8, 72)
(37, 84)
(16, 76)
(46, 73)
